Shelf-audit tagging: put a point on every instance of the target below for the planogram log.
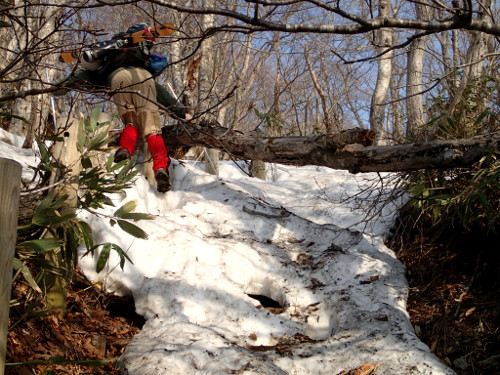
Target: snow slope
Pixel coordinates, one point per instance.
(302, 238)
(296, 238)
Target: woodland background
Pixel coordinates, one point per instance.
(410, 71)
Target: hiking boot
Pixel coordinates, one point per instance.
(162, 180)
(121, 155)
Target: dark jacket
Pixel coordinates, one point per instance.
(100, 79)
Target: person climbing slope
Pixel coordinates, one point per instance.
(126, 70)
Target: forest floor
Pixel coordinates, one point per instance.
(454, 305)
(454, 297)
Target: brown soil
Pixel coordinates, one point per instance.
(454, 305)
(454, 298)
(97, 327)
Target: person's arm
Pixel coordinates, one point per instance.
(82, 79)
(174, 106)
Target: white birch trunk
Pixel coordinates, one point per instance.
(41, 22)
(414, 87)
(206, 83)
(378, 109)
(395, 110)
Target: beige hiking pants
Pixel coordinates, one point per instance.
(135, 99)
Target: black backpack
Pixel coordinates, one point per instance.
(121, 52)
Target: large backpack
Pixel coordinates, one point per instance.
(123, 51)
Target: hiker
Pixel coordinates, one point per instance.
(126, 71)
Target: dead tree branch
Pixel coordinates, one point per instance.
(349, 150)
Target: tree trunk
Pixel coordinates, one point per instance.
(258, 167)
(377, 109)
(9, 193)
(414, 87)
(395, 110)
(414, 103)
(327, 121)
(66, 153)
(349, 150)
(206, 84)
(33, 35)
(475, 64)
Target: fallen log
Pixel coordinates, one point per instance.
(350, 150)
(458, 153)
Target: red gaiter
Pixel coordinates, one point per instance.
(128, 138)
(158, 152)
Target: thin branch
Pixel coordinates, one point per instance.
(457, 22)
(39, 190)
(390, 49)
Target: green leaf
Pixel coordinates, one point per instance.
(451, 123)
(418, 189)
(40, 246)
(10, 115)
(94, 117)
(89, 175)
(73, 237)
(45, 214)
(18, 265)
(481, 117)
(86, 233)
(110, 163)
(126, 208)
(483, 199)
(99, 140)
(126, 168)
(44, 152)
(443, 128)
(86, 163)
(442, 198)
(122, 254)
(103, 257)
(137, 216)
(132, 229)
(46, 203)
(51, 219)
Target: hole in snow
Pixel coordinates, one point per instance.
(267, 303)
(124, 307)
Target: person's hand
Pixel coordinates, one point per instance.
(188, 117)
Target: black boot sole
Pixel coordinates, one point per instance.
(163, 183)
(121, 155)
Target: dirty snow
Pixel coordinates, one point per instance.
(305, 238)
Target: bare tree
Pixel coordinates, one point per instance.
(455, 16)
(245, 40)
(206, 82)
(474, 66)
(414, 86)
(29, 63)
(383, 44)
(327, 120)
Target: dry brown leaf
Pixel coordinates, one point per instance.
(190, 77)
(470, 311)
(434, 346)
(364, 369)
